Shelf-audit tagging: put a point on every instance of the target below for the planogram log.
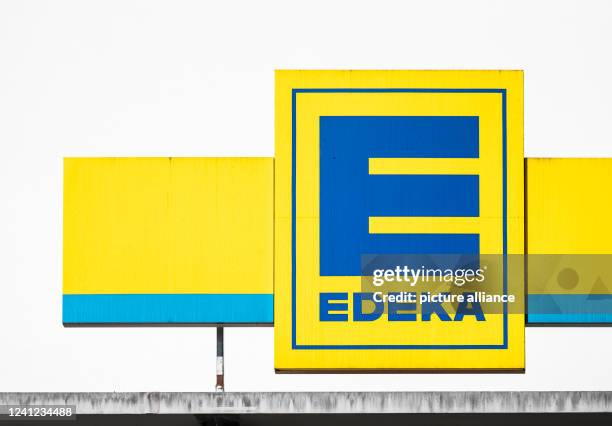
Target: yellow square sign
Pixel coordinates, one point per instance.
(382, 172)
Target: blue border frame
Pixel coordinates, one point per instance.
(294, 92)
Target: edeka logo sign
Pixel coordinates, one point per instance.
(376, 166)
(349, 195)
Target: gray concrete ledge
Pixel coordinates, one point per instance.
(320, 402)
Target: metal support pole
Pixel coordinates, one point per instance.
(220, 382)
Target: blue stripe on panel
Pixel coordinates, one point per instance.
(569, 308)
(167, 308)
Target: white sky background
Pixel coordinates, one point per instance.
(191, 78)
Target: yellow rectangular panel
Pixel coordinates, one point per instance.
(395, 163)
(569, 205)
(168, 240)
(569, 240)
